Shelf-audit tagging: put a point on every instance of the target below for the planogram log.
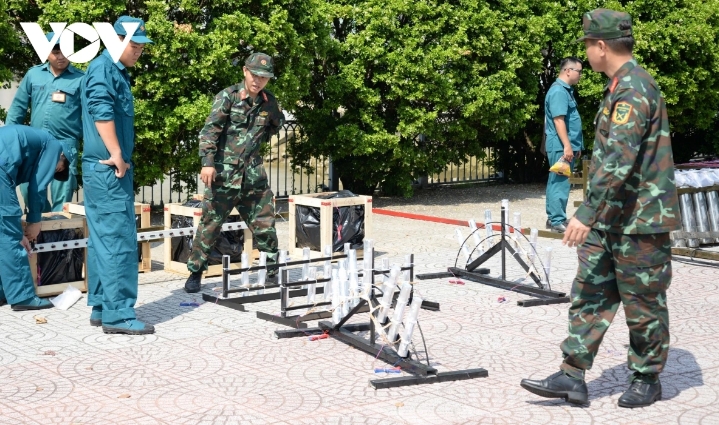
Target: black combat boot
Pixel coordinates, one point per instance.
(641, 393)
(192, 284)
(559, 385)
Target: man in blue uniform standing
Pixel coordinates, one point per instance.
(31, 156)
(52, 92)
(108, 128)
(563, 132)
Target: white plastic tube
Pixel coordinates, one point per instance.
(262, 273)
(533, 234)
(353, 289)
(312, 287)
(399, 311)
(336, 295)
(305, 267)
(487, 225)
(475, 235)
(368, 253)
(387, 294)
(409, 324)
(547, 262)
(344, 290)
(505, 205)
(327, 273)
(460, 239)
(245, 276)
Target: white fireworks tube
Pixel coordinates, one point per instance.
(399, 311)
(517, 224)
(477, 238)
(245, 276)
(488, 225)
(336, 303)
(533, 234)
(344, 289)
(387, 293)
(327, 273)
(305, 266)
(465, 248)
(311, 288)
(505, 205)
(410, 324)
(547, 262)
(262, 273)
(368, 254)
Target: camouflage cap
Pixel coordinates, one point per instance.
(260, 64)
(603, 24)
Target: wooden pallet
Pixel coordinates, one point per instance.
(325, 206)
(71, 222)
(143, 210)
(196, 214)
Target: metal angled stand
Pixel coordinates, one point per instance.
(346, 333)
(543, 296)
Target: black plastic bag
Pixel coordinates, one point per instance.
(228, 243)
(59, 266)
(347, 224)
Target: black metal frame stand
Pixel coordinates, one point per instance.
(286, 291)
(543, 296)
(344, 332)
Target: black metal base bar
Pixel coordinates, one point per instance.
(297, 321)
(403, 381)
(436, 275)
(504, 284)
(225, 302)
(256, 298)
(294, 333)
(385, 353)
(430, 305)
(542, 301)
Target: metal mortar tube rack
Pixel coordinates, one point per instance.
(688, 219)
(702, 216)
(713, 207)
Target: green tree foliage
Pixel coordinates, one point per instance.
(200, 47)
(392, 89)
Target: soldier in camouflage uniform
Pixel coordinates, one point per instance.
(622, 229)
(242, 118)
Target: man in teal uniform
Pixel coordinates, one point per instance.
(242, 118)
(52, 92)
(32, 156)
(622, 229)
(108, 127)
(563, 132)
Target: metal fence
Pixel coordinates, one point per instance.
(286, 181)
(473, 170)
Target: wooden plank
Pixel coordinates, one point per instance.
(196, 214)
(70, 222)
(696, 253)
(683, 190)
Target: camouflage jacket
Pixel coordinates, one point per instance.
(631, 187)
(230, 140)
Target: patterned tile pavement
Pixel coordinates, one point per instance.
(214, 365)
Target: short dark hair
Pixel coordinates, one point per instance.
(569, 60)
(622, 44)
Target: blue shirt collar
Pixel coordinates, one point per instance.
(46, 66)
(565, 85)
(118, 64)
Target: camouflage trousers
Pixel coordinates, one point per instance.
(256, 209)
(635, 270)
